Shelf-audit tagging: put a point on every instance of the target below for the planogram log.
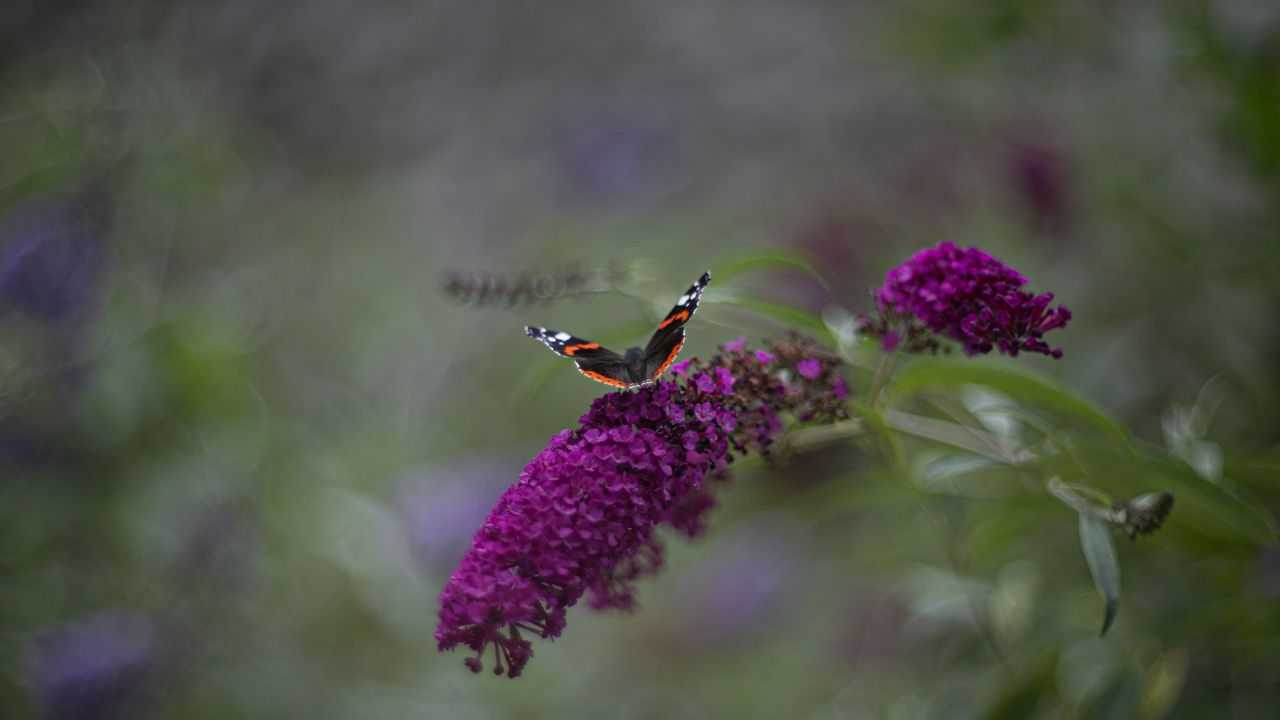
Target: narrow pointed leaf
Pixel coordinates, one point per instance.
(1038, 391)
(1100, 553)
(784, 314)
(768, 259)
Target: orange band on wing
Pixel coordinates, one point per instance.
(571, 349)
(670, 359)
(682, 315)
(603, 378)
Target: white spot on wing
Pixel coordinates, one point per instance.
(563, 336)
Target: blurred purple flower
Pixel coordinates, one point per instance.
(835, 239)
(441, 506)
(607, 156)
(51, 255)
(840, 388)
(22, 445)
(1038, 180)
(1266, 571)
(97, 667)
(876, 620)
(971, 297)
(838, 239)
(218, 544)
(889, 341)
(746, 581)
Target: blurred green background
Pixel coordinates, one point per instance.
(246, 433)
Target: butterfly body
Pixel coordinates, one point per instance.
(637, 366)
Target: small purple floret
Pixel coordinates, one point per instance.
(705, 383)
(890, 341)
(809, 368)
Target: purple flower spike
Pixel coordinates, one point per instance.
(971, 297)
(581, 518)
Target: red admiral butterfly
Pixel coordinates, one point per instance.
(637, 367)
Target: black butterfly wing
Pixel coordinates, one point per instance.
(661, 357)
(668, 339)
(596, 362)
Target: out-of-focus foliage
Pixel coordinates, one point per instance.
(246, 433)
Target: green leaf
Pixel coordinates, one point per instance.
(1259, 473)
(1018, 697)
(767, 259)
(1217, 510)
(969, 476)
(1209, 504)
(787, 315)
(973, 439)
(1030, 389)
(1100, 553)
(950, 466)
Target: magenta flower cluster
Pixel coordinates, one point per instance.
(971, 297)
(580, 519)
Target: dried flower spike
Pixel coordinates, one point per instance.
(524, 288)
(1144, 514)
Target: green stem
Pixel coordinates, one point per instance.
(815, 437)
(1073, 500)
(883, 371)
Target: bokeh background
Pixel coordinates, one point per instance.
(248, 425)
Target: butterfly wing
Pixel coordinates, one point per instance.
(598, 363)
(668, 339)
